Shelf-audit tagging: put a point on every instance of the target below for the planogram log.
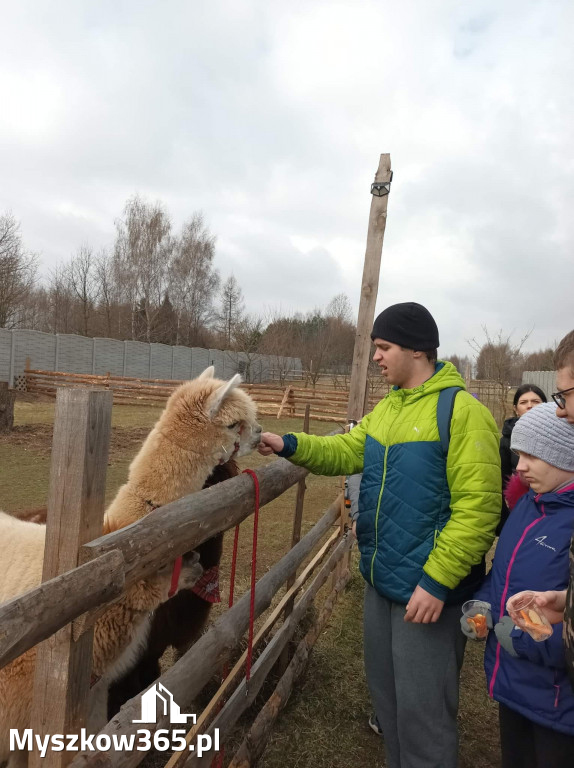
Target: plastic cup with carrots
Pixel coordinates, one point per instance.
(475, 612)
(524, 612)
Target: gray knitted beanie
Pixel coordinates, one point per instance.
(542, 434)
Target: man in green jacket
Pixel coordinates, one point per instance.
(428, 510)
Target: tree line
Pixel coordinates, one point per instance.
(156, 284)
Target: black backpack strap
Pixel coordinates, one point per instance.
(444, 411)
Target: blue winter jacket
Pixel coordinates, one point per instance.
(532, 553)
(423, 521)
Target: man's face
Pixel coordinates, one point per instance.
(565, 380)
(396, 363)
(540, 476)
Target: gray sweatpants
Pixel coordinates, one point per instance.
(413, 676)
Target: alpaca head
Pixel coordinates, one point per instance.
(212, 417)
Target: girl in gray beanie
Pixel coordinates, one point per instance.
(541, 436)
(529, 679)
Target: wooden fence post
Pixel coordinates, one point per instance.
(286, 394)
(291, 400)
(75, 515)
(7, 397)
(369, 288)
(295, 537)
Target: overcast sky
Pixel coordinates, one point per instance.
(270, 118)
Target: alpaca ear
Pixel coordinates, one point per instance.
(207, 374)
(216, 399)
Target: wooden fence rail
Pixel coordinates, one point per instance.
(186, 678)
(329, 405)
(254, 743)
(36, 615)
(140, 548)
(245, 693)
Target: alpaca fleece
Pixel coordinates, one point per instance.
(205, 422)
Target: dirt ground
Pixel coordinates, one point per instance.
(325, 722)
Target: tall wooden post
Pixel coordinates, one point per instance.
(358, 389)
(75, 515)
(369, 289)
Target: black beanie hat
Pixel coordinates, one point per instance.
(409, 324)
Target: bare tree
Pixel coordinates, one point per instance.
(60, 301)
(108, 293)
(324, 340)
(247, 335)
(463, 364)
(315, 341)
(542, 360)
(35, 310)
(17, 272)
(195, 281)
(340, 308)
(342, 331)
(142, 255)
(232, 309)
(279, 342)
(496, 358)
(84, 284)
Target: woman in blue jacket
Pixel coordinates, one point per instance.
(528, 678)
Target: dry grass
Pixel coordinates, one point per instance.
(325, 722)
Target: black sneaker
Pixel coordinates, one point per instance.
(374, 725)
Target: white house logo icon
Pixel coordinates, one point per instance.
(159, 693)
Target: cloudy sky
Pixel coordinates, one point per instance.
(270, 118)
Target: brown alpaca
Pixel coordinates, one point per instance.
(205, 422)
(179, 622)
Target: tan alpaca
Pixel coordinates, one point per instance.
(205, 422)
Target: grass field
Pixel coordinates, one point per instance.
(325, 722)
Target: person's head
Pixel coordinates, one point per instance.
(564, 364)
(526, 397)
(545, 446)
(406, 340)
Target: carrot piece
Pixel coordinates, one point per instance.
(478, 622)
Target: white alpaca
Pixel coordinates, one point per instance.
(205, 422)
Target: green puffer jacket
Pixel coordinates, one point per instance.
(422, 520)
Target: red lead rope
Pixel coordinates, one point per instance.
(175, 576)
(233, 566)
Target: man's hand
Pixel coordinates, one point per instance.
(269, 444)
(423, 608)
(552, 604)
(354, 528)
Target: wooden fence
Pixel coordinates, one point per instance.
(83, 574)
(327, 403)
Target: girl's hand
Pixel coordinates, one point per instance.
(552, 604)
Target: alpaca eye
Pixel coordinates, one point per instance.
(232, 426)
